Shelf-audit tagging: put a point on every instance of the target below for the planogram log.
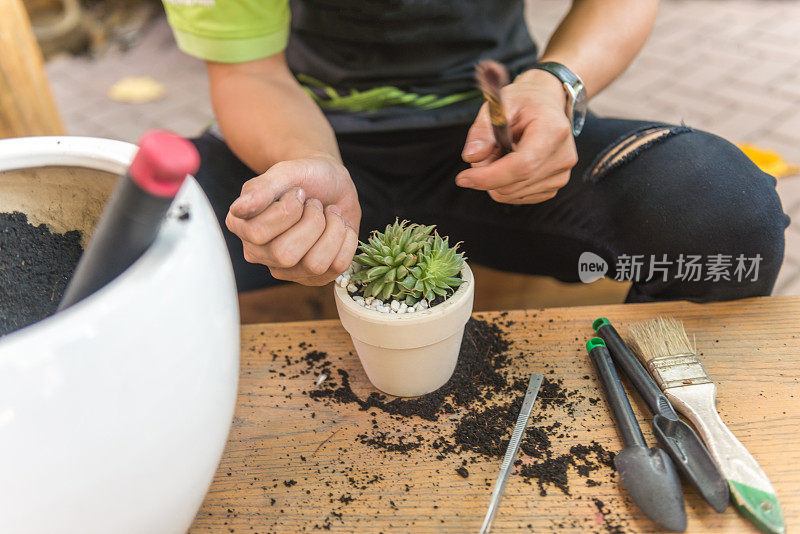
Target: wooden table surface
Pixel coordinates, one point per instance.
(293, 463)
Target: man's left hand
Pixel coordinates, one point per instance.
(544, 148)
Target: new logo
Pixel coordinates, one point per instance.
(591, 267)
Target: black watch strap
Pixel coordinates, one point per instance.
(576, 93)
(559, 71)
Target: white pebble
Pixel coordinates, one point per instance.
(422, 304)
(411, 309)
(403, 307)
(384, 309)
(321, 378)
(395, 305)
(352, 288)
(339, 280)
(343, 282)
(369, 300)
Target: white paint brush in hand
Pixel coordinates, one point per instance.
(664, 348)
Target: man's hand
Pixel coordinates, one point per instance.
(300, 219)
(544, 149)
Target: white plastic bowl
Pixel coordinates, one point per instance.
(114, 413)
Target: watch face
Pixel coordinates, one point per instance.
(579, 105)
(580, 100)
(579, 112)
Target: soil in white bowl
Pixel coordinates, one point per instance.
(35, 266)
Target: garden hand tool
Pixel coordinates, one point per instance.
(134, 212)
(663, 346)
(647, 474)
(512, 449)
(688, 453)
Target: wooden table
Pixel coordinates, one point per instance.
(289, 458)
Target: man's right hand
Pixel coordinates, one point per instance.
(300, 219)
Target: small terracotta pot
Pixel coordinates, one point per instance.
(409, 354)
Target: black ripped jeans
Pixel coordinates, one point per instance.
(684, 216)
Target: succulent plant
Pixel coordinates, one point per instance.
(405, 262)
(435, 273)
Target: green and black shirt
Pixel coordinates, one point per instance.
(370, 65)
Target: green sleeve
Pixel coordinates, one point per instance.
(229, 31)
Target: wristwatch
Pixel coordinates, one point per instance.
(576, 92)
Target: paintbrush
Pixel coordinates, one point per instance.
(492, 77)
(664, 348)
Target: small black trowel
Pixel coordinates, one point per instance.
(683, 445)
(647, 473)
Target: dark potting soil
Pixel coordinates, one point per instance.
(482, 354)
(482, 427)
(35, 266)
(467, 421)
(381, 440)
(553, 469)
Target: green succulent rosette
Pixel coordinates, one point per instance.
(407, 262)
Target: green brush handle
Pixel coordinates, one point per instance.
(750, 488)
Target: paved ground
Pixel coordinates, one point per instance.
(731, 67)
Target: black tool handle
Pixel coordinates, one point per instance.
(133, 214)
(634, 370)
(615, 395)
(127, 228)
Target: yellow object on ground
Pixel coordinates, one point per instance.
(769, 161)
(136, 90)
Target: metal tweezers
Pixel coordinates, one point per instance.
(511, 451)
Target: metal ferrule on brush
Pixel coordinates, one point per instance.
(497, 114)
(492, 77)
(678, 370)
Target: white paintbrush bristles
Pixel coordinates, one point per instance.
(663, 336)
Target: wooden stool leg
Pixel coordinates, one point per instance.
(26, 103)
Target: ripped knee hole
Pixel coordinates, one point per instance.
(628, 148)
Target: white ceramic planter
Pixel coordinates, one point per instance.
(410, 354)
(114, 412)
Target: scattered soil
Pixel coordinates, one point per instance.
(482, 400)
(553, 470)
(482, 354)
(466, 423)
(381, 440)
(35, 266)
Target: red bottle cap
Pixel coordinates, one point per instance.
(162, 162)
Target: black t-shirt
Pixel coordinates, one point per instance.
(369, 64)
(422, 47)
